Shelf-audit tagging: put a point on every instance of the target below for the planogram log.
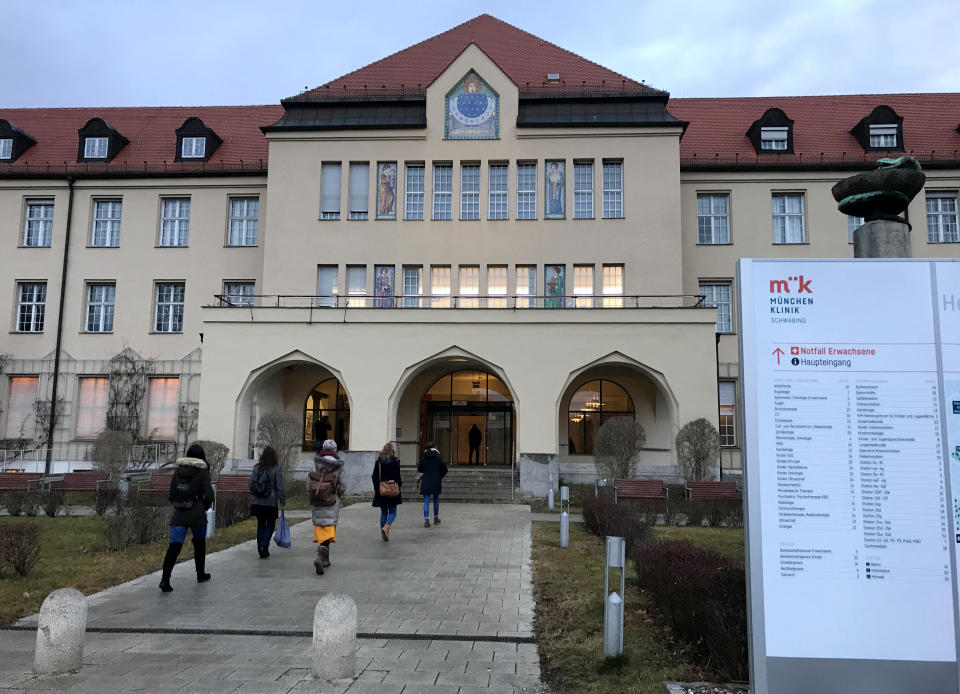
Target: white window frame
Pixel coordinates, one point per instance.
(526, 190)
(174, 222)
(101, 302)
(38, 223)
(583, 190)
(359, 192)
(469, 286)
(782, 233)
(412, 285)
(106, 223)
(239, 293)
(327, 289)
(356, 278)
(31, 306)
(331, 182)
(526, 286)
(727, 402)
(6, 148)
(498, 194)
(193, 148)
(613, 285)
(774, 138)
(613, 190)
(883, 135)
(719, 295)
(853, 223)
(168, 307)
(442, 192)
(942, 219)
(496, 286)
(440, 286)
(469, 192)
(583, 285)
(244, 221)
(713, 218)
(414, 188)
(96, 147)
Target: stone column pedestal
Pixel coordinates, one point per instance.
(882, 238)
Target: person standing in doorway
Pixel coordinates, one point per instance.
(191, 494)
(433, 469)
(386, 469)
(266, 487)
(474, 437)
(326, 487)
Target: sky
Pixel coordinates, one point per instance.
(219, 52)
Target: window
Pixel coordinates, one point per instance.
(6, 148)
(330, 191)
(327, 415)
(713, 218)
(412, 285)
(20, 418)
(499, 201)
(718, 295)
(942, 218)
(773, 138)
(238, 293)
(612, 286)
(443, 191)
(612, 190)
(526, 286)
(496, 286)
(31, 306)
(244, 218)
(440, 286)
(92, 395)
(356, 285)
(469, 286)
(175, 222)
(883, 136)
(853, 223)
(359, 190)
(95, 147)
(100, 301)
(788, 218)
(526, 191)
(470, 191)
(583, 285)
(728, 413)
(583, 190)
(413, 207)
(39, 224)
(106, 223)
(194, 148)
(326, 285)
(168, 317)
(162, 407)
(591, 405)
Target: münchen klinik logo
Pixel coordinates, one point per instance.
(788, 296)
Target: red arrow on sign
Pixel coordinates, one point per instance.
(778, 352)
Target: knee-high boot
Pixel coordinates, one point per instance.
(200, 558)
(173, 551)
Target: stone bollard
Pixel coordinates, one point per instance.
(334, 638)
(60, 632)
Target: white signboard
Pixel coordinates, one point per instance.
(850, 545)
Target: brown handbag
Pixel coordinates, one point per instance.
(387, 487)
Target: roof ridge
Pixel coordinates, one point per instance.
(808, 96)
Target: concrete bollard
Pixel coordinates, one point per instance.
(334, 650)
(60, 632)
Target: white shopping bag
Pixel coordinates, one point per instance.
(211, 521)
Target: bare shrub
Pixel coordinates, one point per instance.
(110, 450)
(285, 433)
(31, 503)
(20, 547)
(14, 500)
(118, 532)
(617, 448)
(104, 498)
(216, 453)
(150, 517)
(698, 449)
(52, 500)
(231, 508)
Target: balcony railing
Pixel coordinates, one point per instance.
(500, 301)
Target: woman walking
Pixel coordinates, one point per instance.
(385, 470)
(326, 488)
(191, 494)
(434, 469)
(266, 487)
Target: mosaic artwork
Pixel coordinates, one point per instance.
(472, 110)
(554, 200)
(387, 190)
(383, 286)
(554, 286)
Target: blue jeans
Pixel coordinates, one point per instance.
(436, 506)
(178, 533)
(388, 514)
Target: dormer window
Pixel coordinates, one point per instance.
(13, 142)
(193, 147)
(195, 141)
(883, 136)
(772, 133)
(6, 148)
(773, 138)
(95, 148)
(881, 131)
(99, 142)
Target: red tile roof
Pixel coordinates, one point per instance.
(151, 134)
(821, 127)
(526, 59)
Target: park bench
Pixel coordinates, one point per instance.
(638, 489)
(157, 484)
(233, 484)
(19, 481)
(81, 481)
(712, 490)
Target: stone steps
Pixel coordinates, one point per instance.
(472, 485)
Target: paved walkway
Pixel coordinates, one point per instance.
(444, 610)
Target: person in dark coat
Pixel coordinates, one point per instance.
(386, 467)
(434, 469)
(265, 508)
(474, 437)
(193, 476)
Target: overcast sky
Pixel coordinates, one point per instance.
(176, 52)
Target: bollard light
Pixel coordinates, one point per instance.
(597, 484)
(550, 498)
(565, 494)
(564, 517)
(613, 602)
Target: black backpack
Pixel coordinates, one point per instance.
(183, 496)
(260, 485)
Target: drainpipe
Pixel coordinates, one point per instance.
(717, 353)
(56, 358)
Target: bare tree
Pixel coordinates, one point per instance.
(698, 448)
(216, 453)
(128, 387)
(616, 450)
(187, 416)
(285, 433)
(43, 412)
(111, 451)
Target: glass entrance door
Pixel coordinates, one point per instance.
(470, 435)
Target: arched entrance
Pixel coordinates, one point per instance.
(469, 416)
(591, 405)
(326, 415)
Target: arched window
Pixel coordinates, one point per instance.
(327, 416)
(594, 403)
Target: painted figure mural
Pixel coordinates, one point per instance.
(383, 286)
(555, 198)
(554, 286)
(472, 111)
(387, 190)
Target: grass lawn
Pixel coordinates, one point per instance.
(568, 584)
(73, 554)
(725, 541)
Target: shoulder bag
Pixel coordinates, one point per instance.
(388, 488)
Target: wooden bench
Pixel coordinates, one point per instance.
(233, 484)
(19, 481)
(157, 484)
(83, 481)
(712, 490)
(638, 489)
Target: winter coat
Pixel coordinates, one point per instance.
(389, 468)
(277, 493)
(434, 470)
(329, 515)
(195, 470)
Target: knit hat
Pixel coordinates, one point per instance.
(329, 445)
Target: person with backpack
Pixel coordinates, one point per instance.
(266, 487)
(386, 488)
(191, 494)
(433, 470)
(326, 488)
